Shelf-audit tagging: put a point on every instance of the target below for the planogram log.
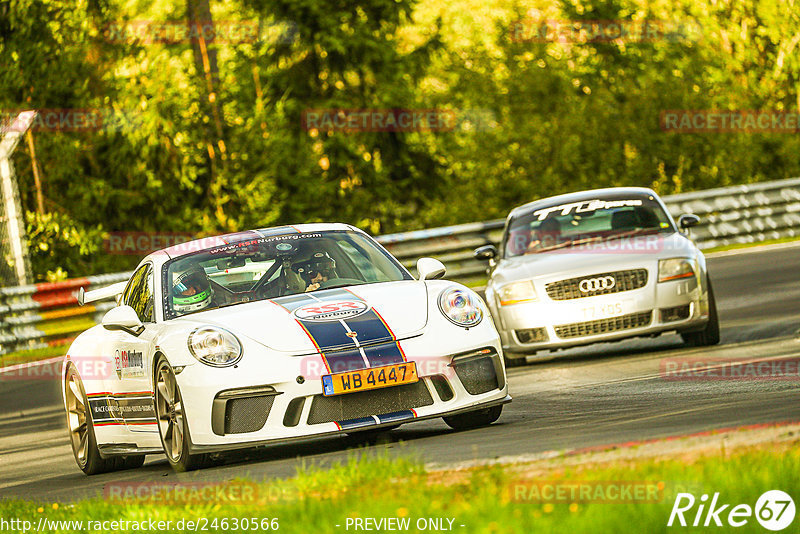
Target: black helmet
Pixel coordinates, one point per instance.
(318, 263)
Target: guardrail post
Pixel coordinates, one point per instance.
(17, 268)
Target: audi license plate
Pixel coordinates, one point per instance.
(365, 379)
(605, 311)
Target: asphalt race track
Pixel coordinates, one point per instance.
(590, 396)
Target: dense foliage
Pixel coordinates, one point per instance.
(208, 139)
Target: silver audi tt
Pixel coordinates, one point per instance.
(599, 265)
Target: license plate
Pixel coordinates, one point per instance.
(604, 311)
(365, 379)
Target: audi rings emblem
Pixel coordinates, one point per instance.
(589, 285)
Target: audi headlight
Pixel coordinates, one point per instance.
(675, 269)
(215, 346)
(460, 307)
(516, 293)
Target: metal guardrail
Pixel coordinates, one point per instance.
(39, 316)
(47, 315)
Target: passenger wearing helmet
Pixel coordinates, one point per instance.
(548, 234)
(320, 267)
(192, 291)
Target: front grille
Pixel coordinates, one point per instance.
(623, 281)
(478, 375)
(603, 326)
(677, 313)
(532, 335)
(367, 403)
(247, 414)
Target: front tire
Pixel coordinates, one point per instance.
(172, 425)
(81, 431)
(710, 334)
(478, 418)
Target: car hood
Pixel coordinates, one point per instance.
(315, 322)
(566, 261)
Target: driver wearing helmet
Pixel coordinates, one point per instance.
(319, 268)
(192, 291)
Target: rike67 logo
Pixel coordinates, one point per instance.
(774, 510)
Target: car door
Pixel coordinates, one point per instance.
(133, 355)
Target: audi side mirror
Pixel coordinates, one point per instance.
(687, 220)
(486, 252)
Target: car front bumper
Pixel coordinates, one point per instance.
(283, 402)
(679, 305)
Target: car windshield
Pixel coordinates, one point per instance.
(546, 228)
(275, 266)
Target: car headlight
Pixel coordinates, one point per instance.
(460, 307)
(675, 269)
(215, 346)
(516, 293)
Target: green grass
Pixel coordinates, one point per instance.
(481, 499)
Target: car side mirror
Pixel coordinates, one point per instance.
(430, 269)
(486, 252)
(687, 220)
(123, 318)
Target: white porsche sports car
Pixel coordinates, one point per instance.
(272, 335)
(600, 265)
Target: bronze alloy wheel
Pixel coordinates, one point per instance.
(169, 411)
(78, 419)
(81, 431)
(172, 425)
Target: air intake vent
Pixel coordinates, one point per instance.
(368, 403)
(678, 313)
(604, 326)
(247, 414)
(532, 335)
(478, 375)
(442, 387)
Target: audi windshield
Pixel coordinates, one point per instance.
(545, 228)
